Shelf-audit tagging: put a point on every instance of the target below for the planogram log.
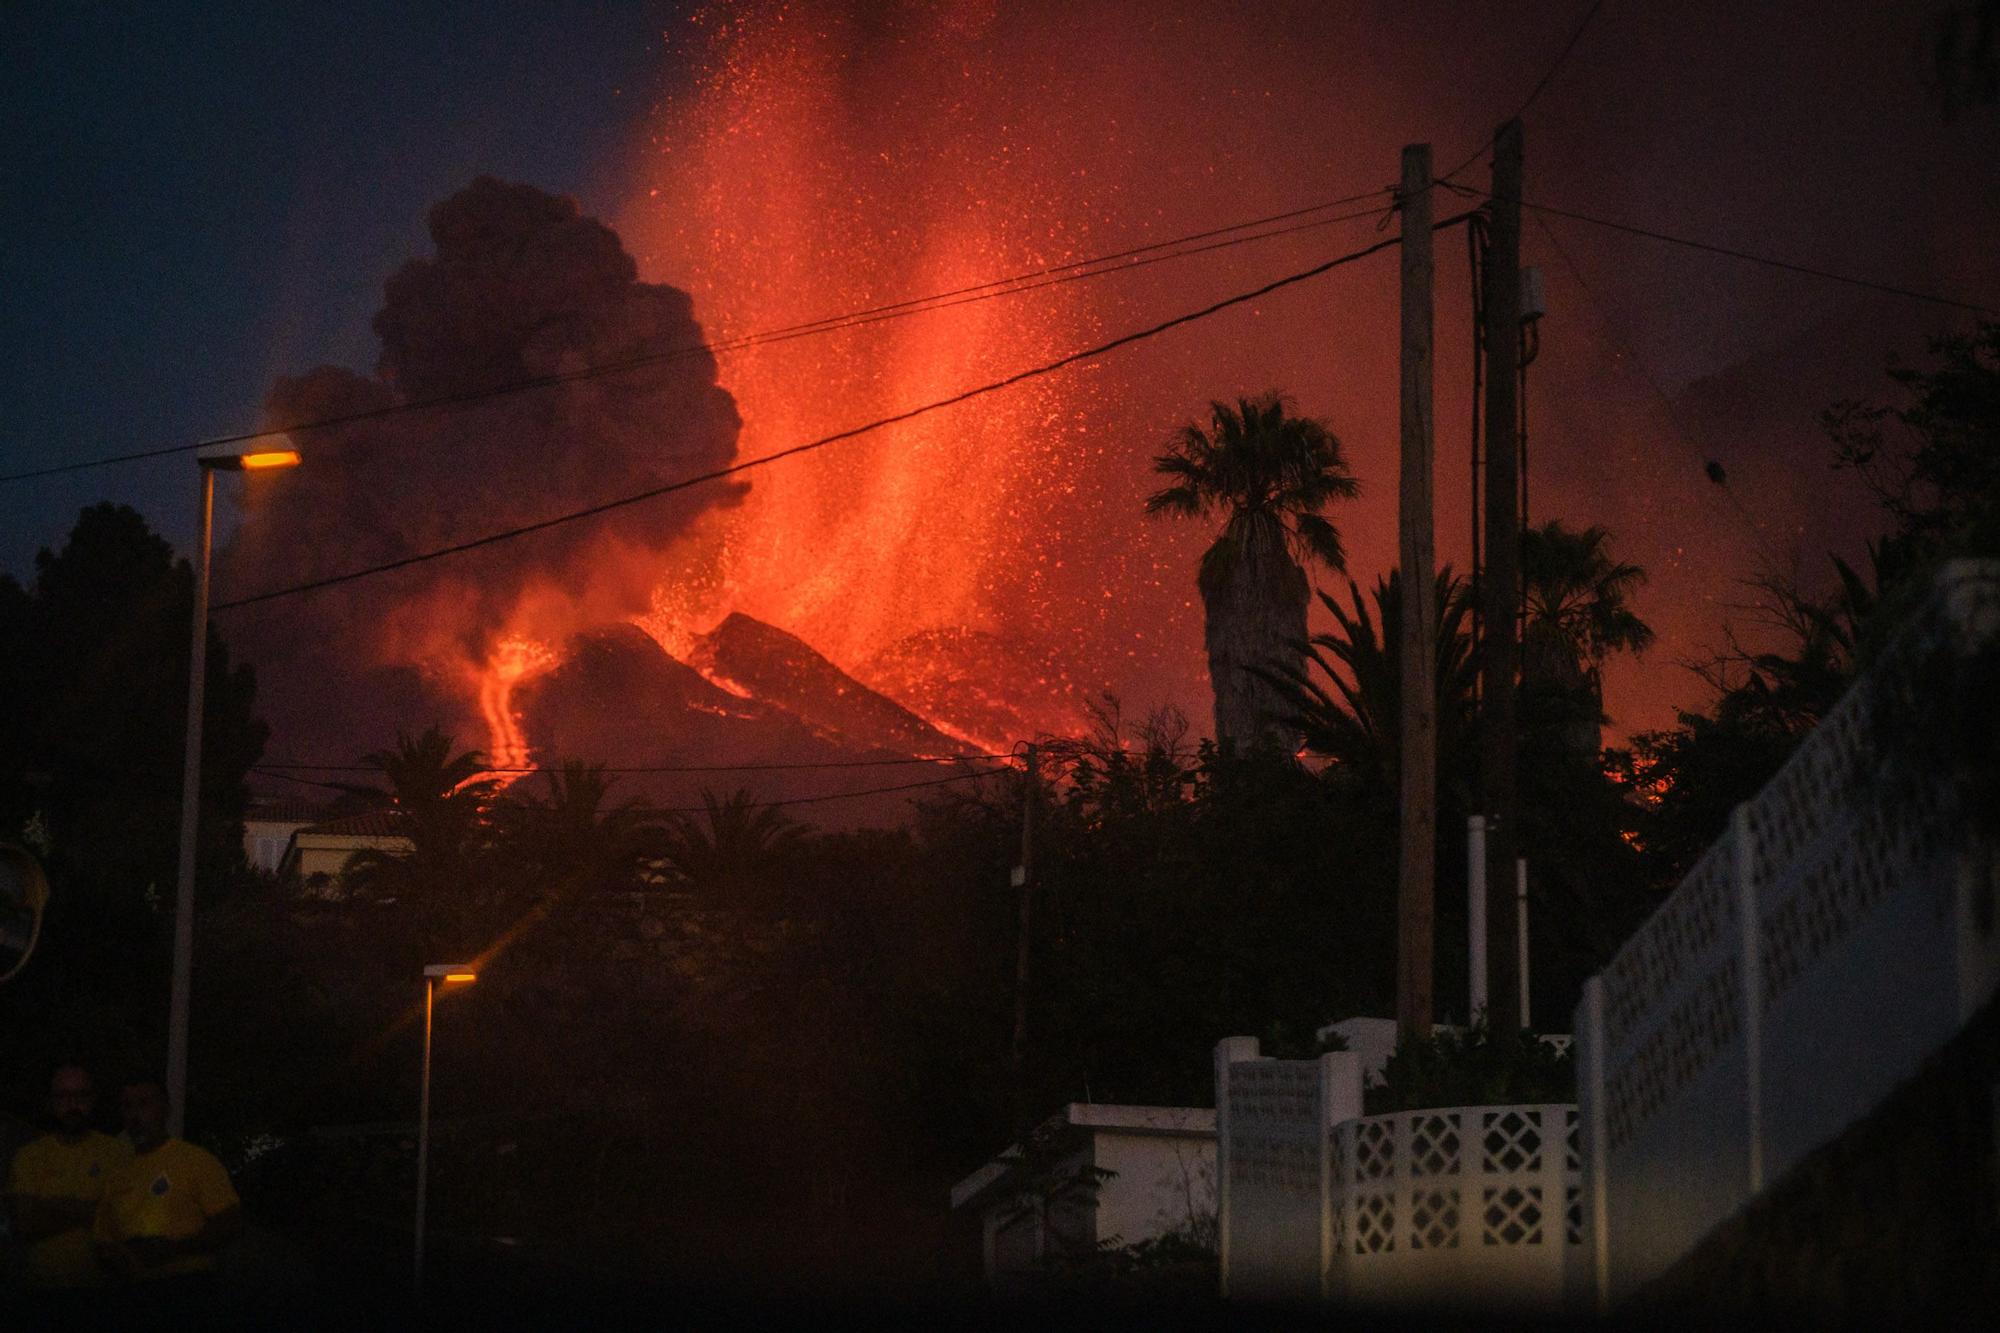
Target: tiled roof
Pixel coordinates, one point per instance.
(283, 812)
(367, 824)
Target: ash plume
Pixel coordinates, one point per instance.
(520, 285)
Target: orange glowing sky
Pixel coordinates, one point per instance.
(820, 162)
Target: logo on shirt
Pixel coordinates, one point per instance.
(96, 1170)
(160, 1185)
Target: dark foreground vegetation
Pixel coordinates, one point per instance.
(727, 1050)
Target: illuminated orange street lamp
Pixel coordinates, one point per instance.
(261, 461)
(256, 460)
(447, 974)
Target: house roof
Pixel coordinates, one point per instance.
(283, 812)
(1141, 1119)
(367, 824)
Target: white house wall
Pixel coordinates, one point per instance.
(1164, 1183)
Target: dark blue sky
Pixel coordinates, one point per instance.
(200, 196)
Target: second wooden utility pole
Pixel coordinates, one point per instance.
(1501, 589)
(1416, 893)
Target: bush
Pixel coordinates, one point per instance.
(1475, 1067)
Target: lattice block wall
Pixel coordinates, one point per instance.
(1815, 956)
(1461, 1204)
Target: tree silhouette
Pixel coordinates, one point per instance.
(1350, 709)
(732, 853)
(439, 801)
(1269, 475)
(1578, 603)
(574, 839)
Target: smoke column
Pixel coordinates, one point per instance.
(520, 285)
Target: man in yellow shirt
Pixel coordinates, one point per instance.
(169, 1209)
(55, 1184)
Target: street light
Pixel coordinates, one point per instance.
(451, 974)
(256, 460)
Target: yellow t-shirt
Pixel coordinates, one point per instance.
(76, 1172)
(171, 1191)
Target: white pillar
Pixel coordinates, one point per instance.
(1229, 1051)
(1340, 1101)
(1521, 936)
(1475, 917)
(1744, 848)
(1590, 1089)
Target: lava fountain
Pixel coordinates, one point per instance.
(774, 182)
(828, 157)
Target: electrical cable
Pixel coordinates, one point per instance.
(1076, 271)
(1548, 77)
(1709, 247)
(754, 805)
(1992, 312)
(994, 386)
(1676, 426)
(268, 767)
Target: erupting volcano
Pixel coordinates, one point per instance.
(947, 585)
(960, 581)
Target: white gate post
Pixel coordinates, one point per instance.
(1555, 1191)
(1590, 1087)
(1228, 1051)
(1744, 848)
(1340, 1102)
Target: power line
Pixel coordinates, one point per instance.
(1767, 260)
(1033, 280)
(1548, 77)
(1047, 368)
(1731, 252)
(1676, 426)
(755, 805)
(845, 795)
(268, 767)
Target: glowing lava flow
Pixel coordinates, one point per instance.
(512, 661)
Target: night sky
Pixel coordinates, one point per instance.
(202, 197)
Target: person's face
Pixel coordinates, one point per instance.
(71, 1100)
(145, 1108)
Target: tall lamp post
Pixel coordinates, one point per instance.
(259, 460)
(449, 974)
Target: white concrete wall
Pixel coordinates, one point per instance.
(1814, 958)
(265, 840)
(1165, 1183)
(1478, 1207)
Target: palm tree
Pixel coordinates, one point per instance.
(1354, 716)
(569, 845)
(574, 839)
(735, 851)
(1269, 475)
(1578, 614)
(439, 802)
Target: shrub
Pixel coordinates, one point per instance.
(1474, 1067)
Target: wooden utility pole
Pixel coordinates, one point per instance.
(1024, 879)
(1501, 590)
(1417, 886)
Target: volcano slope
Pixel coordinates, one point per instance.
(754, 709)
